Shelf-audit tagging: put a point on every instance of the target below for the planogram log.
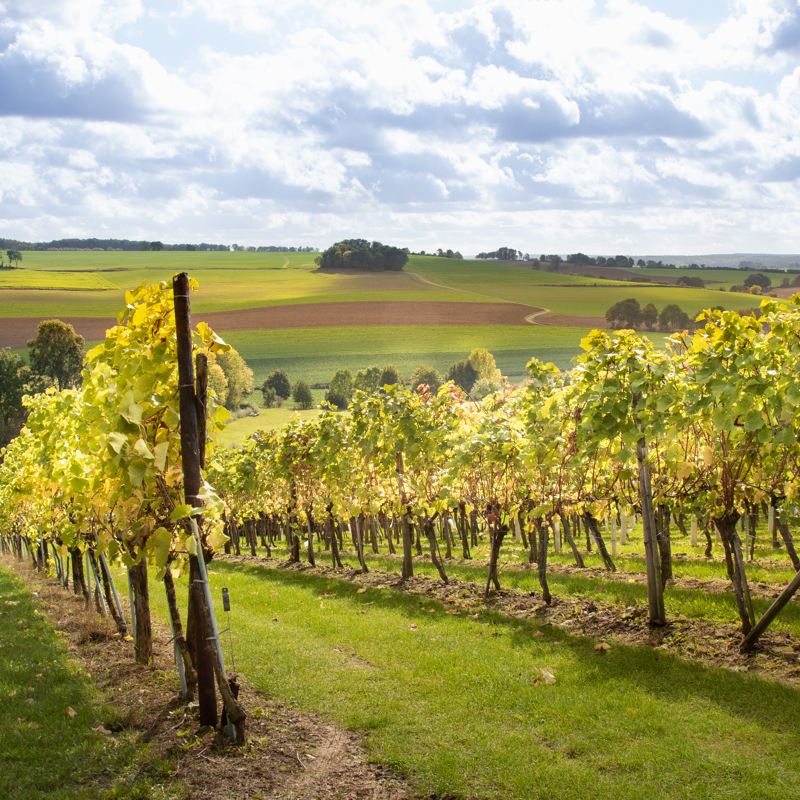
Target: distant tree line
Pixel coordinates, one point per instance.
(364, 255)
(131, 245)
(629, 314)
(442, 253)
(505, 254)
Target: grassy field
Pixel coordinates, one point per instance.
(455, 702)
(43, 751)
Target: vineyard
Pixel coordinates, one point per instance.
(698, 440)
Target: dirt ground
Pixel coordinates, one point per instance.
(288, 756)
(15, 332)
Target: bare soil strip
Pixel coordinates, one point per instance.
(288, 755)
(15, 332)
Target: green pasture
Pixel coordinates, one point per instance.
(462, 707)
(43, 751)
(714, 278)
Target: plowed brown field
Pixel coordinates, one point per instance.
(15, 332)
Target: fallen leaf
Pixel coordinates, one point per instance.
(454, 612)
(128, 638)
(537, 633)
(537, 682)
(101, 729)
(548, 676)
(71, 712)
(473, 616)
(412, 627)
(602, 647)
(33, 725)
(361, 590)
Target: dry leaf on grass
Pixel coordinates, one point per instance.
(602, 647)
(71, 712)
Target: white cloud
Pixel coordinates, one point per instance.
(609, 121)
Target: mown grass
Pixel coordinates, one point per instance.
(238, 430)
(456, 704)
(43, 751)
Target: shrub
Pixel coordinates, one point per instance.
(269, 395)
(463, 374)
(301, 394)
(340, 392)
(426, 375)
(757, 279)
(390, 376)
(279, 381)
(367, 380)
(483, 387)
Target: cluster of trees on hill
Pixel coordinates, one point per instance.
(13, 255)
(361, 254)
(629, 314)
(506, 254)
(443, 253)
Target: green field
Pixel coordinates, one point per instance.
(17, 279)
(92, 284)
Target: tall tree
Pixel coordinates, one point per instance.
(14, 377)
(57, 353)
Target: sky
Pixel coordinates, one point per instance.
(555, 126)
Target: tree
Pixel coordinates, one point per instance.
(57, 353)
(269, 395)
(301, 394)
(14, 255)
(580, 258)
(360, 254)
(753, 280)
(625, 314)
(483, 363)
(390, 376)
(279, 381)
(367, 380)
(14, 378)
(483, 387)
(650, 316)
(673, 318)
(238, 377)
(689, 280)
(463, 374)
(426, 375)
(340, 391)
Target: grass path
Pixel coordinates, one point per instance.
(465, 705)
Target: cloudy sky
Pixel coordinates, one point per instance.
(658, 126)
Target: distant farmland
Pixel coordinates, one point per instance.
(279, 310)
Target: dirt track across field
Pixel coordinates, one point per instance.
(15, 332)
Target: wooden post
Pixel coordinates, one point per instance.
(770, 614)
(408, 556)
(623, 528)
(557, 537)
(694, 532)
(613, 536)
(655, 596)
(204, 629)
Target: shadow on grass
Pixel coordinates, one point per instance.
(664, 676)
